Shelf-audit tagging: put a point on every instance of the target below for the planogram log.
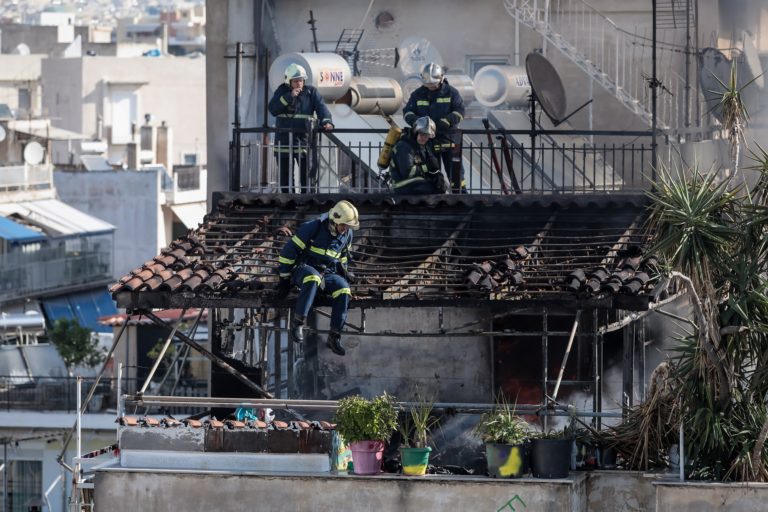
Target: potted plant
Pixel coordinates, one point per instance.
(414, 430)
(551, 454)
(366, 425)
(505, 434)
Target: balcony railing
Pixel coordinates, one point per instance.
(36, 393)
(22, 274)
(562, 162)
(185, 184)
(16, 178)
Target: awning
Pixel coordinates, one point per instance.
(57, 218)
(16, 233)
(43, 130)
(190, 214)
(85, 307)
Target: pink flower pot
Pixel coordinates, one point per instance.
(366, 456)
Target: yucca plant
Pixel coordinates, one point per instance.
(502, 425)
(714, 241)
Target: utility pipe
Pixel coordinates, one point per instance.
(567, 353)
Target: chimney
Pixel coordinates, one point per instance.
(164, 147)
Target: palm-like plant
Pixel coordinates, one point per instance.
(714, 239)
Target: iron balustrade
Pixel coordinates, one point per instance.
(345, 161)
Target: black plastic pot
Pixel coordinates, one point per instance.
(551, 458)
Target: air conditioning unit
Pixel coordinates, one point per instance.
(190, 158)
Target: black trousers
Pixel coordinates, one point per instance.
(457, 182)
(285, 161)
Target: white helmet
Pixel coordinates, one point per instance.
(424, 125)
(293, 72)
(344, 212)
(432, 73)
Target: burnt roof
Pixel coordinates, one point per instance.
(414, 250)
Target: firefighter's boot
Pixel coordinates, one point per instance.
(334, 343)
(297, 329)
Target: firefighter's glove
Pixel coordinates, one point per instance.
(282, 289)
(348, 275)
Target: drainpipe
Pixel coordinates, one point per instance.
(654, 98)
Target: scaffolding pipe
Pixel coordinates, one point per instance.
(164, 350)
(567, 353)
(214, 358)
(91, 391)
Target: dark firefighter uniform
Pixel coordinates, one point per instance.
(295, 114)
(446, 108)
(317, 258)
(414, 168)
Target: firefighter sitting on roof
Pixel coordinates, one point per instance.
(414, 168)
(317, 257)
(442, 103)
(293, 105)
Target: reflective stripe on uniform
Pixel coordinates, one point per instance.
(284, 149)
(286, 261)
(444, 146)
(312, 278)
(443, 100)
(283, 275)
(423, 103)
(282, 100)
(407, 182)
(461, 117)
(296, 240)
(325, 252)
(344, 260)
(341, 291)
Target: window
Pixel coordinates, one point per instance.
(25, 485)
(190, 159)
(475, 62)
(25, 100)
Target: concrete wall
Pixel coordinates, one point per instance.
(129, 200)
(711, 497)
(119, 490)
(20, 72)
(449, 369)
(621, 491)
(44, 39)
(78, 94)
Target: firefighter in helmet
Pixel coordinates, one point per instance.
(441, 102)
(294, 104)
(414, 168)
(317, 256)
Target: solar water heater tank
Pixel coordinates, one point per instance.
(497, 86)
(374, 95)
(329, 72)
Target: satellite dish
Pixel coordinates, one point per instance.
(21, 49)
(415, 53)
(2, 134)
(546, 86)
(33, 153)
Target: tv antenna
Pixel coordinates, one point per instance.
(547, 90)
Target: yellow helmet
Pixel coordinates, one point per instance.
(344, 212)
(293, 72)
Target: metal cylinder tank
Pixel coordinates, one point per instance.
(502, 85)
(410, 84)
(329, 72)
(463, 84)
(374, 95)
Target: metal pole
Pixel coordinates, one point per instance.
(567, 352)
(234, 179)
(544, 361)
(5, 475)
(687, 111)
(681, 449)
(654, 97)
(162, 352)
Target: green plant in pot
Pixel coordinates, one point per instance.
(366, 425)
(415, 429)
(505, 434)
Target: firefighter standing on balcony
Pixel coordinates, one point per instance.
(317, 257)
(441, 102)
(414, 168)
(294, 104)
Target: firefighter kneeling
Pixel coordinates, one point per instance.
(414, 168)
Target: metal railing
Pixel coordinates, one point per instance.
(44, 393)
(563, 161)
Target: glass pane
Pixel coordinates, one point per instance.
(25, 485)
